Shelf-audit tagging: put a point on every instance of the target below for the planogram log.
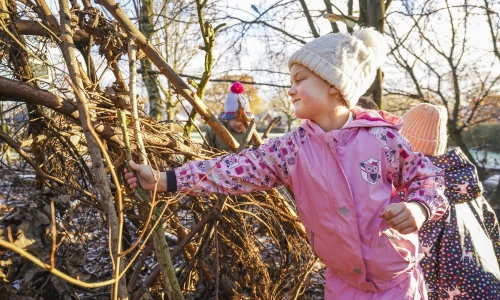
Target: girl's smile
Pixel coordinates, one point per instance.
(315, 99)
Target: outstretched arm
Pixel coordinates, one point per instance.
(253, 169)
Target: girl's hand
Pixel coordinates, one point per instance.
(405, 217)
(148, 177)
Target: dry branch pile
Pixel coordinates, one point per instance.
(101, 243)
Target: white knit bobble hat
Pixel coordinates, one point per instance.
(348, 62)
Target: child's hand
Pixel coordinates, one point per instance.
(405, 217)
(147, 177)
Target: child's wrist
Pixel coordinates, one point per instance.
(162, 182)
(423, 208)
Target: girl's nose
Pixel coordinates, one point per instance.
(291, 91)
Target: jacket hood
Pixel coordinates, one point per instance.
(362, 118)
(462, 181)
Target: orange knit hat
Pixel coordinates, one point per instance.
(425, 127)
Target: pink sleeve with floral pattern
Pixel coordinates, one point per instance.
(253, 169)
(412, 172)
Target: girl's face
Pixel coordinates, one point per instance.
(236, 125)
(313, 98)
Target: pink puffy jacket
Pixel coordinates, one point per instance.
(341, 180)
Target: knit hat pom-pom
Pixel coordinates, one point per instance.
(237, 88)
(374, 41)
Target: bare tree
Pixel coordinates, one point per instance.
(283, 104)
(83, 231)
(492, 13)
(372, 13)
(146, 25)
(444, 63)
(172, 26)
(179, 38)
(276, 25)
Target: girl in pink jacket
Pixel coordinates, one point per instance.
(345, 167)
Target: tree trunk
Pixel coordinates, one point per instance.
(170, 104)
(309, 18)
(363, 14)
(146, 27)
(376, 89)
(4, 147)
(376, 13)
(329, 10)
(18, 57)
(350, 12)
(37, 127)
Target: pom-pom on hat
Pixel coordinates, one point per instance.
(348, 62)
(425, 127)
(231, 104)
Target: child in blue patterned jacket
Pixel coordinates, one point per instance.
(460, 260)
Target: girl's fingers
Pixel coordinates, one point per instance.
(129, 176)
(392, 210)
(408, 226)
(382, 214)
(408, 230)
(402, 226)
(396, 220)
(133, 165)
(386, 214)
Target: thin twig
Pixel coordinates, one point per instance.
(243, 118)
(248, 136)
(216, 262)
(303, 281)
(54, 234)
(145, 252)
(54, 271)
(132, 57)
(275, 121)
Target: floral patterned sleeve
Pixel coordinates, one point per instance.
(413, 173)
(253, 169)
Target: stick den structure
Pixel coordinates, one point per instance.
(77, 231)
